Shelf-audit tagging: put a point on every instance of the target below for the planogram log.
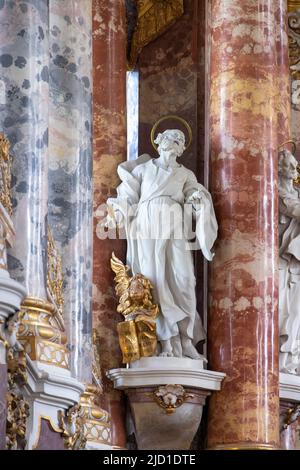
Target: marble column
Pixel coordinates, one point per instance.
(283, 74)
(109, 131)
(24, 94)
(70, 168)
(243, 317)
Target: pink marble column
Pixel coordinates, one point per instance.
(109, 131)
(243, 316)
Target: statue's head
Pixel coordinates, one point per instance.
(171, 141)
(287, 165)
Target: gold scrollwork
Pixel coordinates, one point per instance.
(294, 38)
(17, 414)
(55, 277)
(5, 174)
(171, 397)
(71, 422)
(154, 18)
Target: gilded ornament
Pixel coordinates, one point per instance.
(55, 277)
(42, 331)
(289, 417)
(5, 174)
(293, 5)
(71, 423)
(171, 397)
(294, 42)
(17, 414)
(154, 18)
(137, 335)
(96, 421)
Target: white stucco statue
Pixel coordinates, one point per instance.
(289, 264)
(154, 198)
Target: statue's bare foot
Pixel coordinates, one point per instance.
(166, 354)
(166, 349)
(188, 350)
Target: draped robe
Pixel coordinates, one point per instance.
(289, 281)
(151, 200)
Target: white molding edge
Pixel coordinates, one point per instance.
(48, 392)
(12, 294)
(132, 378)
(289, 387)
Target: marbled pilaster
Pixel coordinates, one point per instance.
(243, 319)
(24, 93)
(109, 130)
(70, 168)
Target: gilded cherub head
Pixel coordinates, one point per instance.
(134, 292)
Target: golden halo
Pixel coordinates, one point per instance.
(289, 142)
(172, 116)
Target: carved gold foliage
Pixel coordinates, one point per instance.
(154, 18)
(17, 414)
(17, 406)
(71, 422)
(5, 174)
(294, 42)
(55, 277)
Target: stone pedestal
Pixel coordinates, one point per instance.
(165, 395)
(47, 393)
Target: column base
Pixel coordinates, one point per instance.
(243, 446)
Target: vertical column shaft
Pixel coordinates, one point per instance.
(24, 93)
(109, 130)
(70, 168)
(243, 320)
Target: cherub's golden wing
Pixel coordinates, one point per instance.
(121, 274)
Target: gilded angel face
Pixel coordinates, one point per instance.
(136, 289)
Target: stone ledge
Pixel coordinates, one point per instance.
(144, 377)
(289, 387)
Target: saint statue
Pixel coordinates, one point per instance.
(289, 264)
(155, 201)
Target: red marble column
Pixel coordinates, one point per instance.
(109, 102)
(243, 317)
